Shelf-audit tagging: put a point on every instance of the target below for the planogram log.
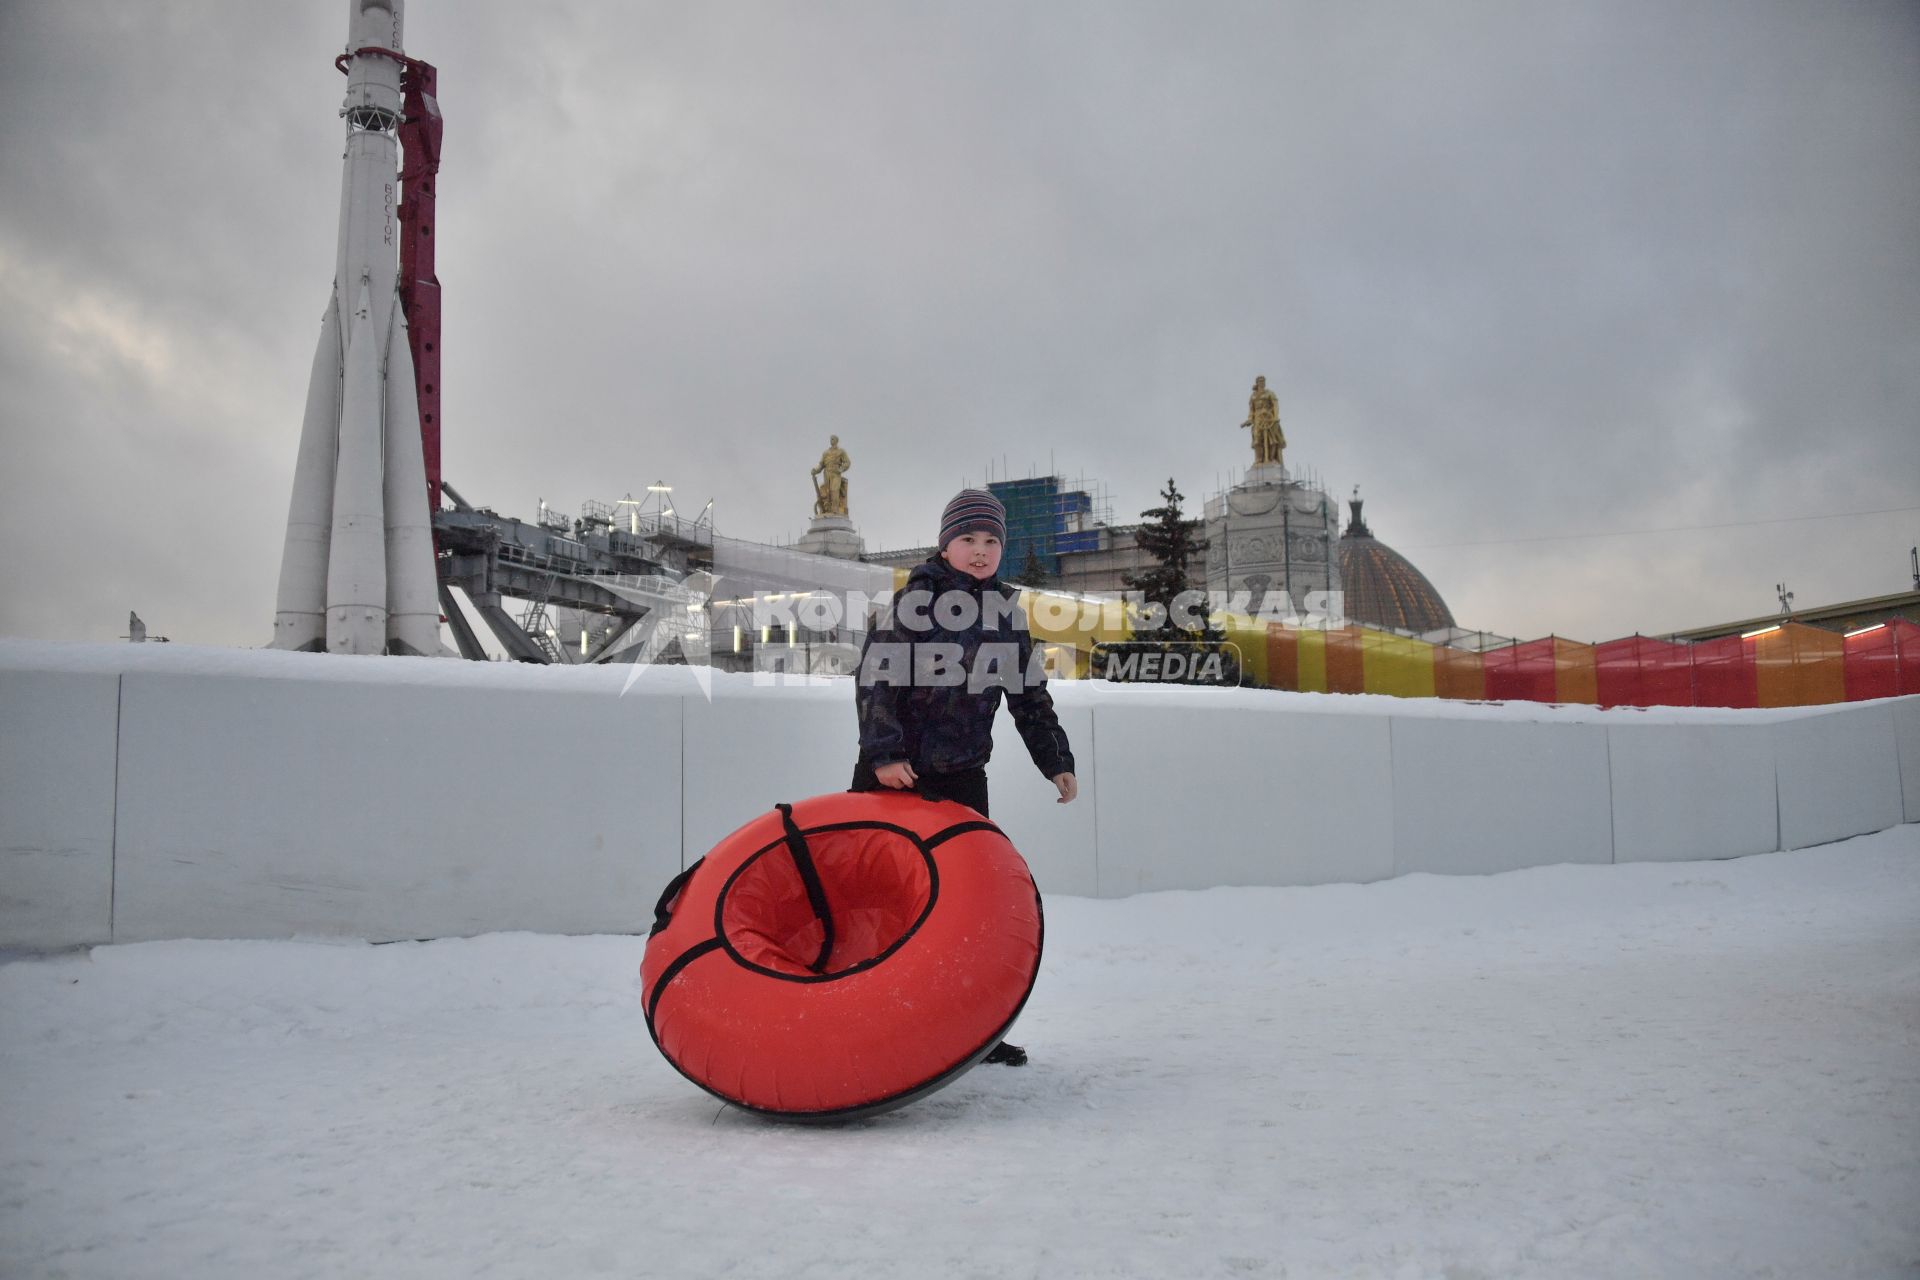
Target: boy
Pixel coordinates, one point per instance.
(933, 670)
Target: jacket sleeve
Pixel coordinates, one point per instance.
(1034, 717)
(883, 735)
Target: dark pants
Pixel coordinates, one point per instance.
(968, 786)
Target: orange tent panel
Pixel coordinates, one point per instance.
(1574, 676)
(1346, 663)
(1799, 666)
(1459, 673)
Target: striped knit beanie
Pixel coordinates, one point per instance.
(973, 511)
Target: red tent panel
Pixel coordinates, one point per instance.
(1906, 641)
(1883, 662)
(1639, 671)
(1723, 674)
(1522, 672)
(1872, 664)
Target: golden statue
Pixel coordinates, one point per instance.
(830, 480)
(1263, 415)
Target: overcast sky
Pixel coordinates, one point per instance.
(1520, 271)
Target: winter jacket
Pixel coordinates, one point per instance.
(932, 674)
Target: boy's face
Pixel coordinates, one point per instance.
(975, 554)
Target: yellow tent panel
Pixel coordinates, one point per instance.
(1313, 661)
(1576, 674)
(1249, 641)
(1396, 665)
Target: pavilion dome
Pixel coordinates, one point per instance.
(1383, 589)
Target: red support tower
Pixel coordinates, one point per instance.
(419, 287)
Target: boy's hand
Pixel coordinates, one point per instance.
(896, 775)
(1069, 787)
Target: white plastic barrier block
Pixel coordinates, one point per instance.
(1191, 797)
(268, 808)
(56, 807)
(1474, 797)
(1906, 733)
(1839, 774)
(747, 751)
(1688, 791)
(1057, 840)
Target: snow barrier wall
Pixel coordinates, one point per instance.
(253, 795)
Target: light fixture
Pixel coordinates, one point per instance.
(1862, 631)
(1764, 631)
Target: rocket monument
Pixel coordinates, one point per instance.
(357, 573)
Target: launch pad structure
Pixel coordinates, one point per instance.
(621, 561)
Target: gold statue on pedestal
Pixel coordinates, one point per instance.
(830, 480)
(1263, 416)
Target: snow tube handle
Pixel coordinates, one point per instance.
(810, 877)
(663, 909)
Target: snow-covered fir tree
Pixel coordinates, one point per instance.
(1174, 542)
(1175, 642)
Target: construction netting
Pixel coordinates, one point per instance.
(1882, 661)
(1548, 670)
(1790, 664)
(1640, 671)
(1798, 666)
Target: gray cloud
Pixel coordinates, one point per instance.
(1516, 270)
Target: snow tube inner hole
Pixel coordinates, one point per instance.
(878, 886)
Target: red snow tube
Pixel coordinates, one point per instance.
(842, 956)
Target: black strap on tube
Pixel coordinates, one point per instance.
(663, 909)
(810, 877)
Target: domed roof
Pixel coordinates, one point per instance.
(1383, 588)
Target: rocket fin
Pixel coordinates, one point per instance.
(356, 554)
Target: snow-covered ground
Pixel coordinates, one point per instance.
(1697, 1069)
